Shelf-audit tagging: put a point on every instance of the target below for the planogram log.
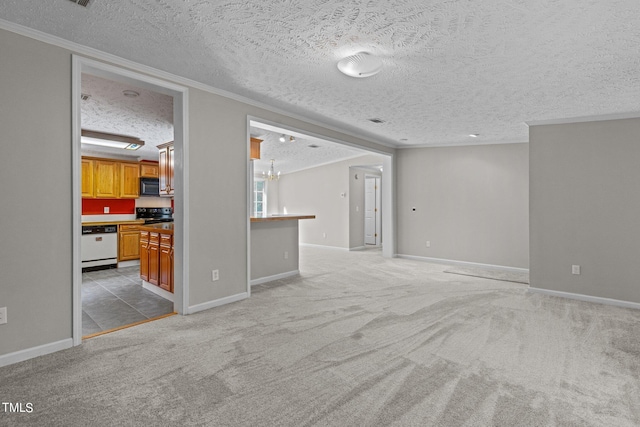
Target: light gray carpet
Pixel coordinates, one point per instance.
(485, 273)
(357, 340)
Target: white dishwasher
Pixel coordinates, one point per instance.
(99, 246)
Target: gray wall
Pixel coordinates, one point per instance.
(36, 255)
(35, 167)
(317, 191)
(585, 208)
(269, 242)
(471, 203)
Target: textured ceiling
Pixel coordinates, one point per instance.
(451, 68)
(305, 152)
(148, 117)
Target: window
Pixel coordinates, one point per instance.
(259, 198)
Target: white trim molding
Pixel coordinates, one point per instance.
(464, 263)
(587, 298)
(582, 119)
(217, 303)
(311, 245)
(30, 353)
(265, 279)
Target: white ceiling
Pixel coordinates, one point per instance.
(451, 68)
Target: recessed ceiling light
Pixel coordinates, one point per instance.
(85, 96)
(130, 93)
(376, 120)
(474, 135)
(403, 140)
(313, 146)
(281, 139)
(362, 64)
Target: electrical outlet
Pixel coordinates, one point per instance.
(3, 315)
(106, 209)
(215, 275)
(428, 243)
(286, 255)
(575, 269)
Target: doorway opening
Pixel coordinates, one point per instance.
(108, 279)
(306, 173)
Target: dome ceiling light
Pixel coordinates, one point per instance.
(360, 65)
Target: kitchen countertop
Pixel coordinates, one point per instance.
(161, 227)
(281, 218)
(132, 222)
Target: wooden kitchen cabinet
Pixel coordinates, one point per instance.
(165, 277)
(129, 177)
(166, 158)
(144, 255)
(128, 243)
(87, 178)
(149, 170)
(254, 153)
(105, 178)
(154, 258)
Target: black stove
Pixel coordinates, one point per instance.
(155, 215)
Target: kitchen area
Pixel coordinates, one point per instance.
(127, 193)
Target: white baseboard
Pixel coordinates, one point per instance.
(30, 353)
(311, 245)
(358, 248)
(587, 298)
(158, 291)
(464, 263)
(279, 276)
(216, 303)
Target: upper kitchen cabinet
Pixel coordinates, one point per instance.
(166, 169)
(129, 187)
(149, 170)
(87, 179)
(254, 153)
(105, 178)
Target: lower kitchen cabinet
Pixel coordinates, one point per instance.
(156, 258)
(128, 242)
(144, 255)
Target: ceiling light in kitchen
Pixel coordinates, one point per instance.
(110, 140)
(474, 135)
(130, 93)
(282, 138)
(360, 65)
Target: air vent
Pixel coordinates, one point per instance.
(81, 2)
(314, 146)
(84, 96)
(376, 120)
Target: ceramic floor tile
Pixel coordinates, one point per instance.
(89, 326)
(115, 297)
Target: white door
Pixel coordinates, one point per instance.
(370, 235)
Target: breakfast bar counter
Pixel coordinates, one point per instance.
(274, 247)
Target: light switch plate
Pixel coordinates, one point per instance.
(575, 269)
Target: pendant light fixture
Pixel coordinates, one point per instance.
(272, 175)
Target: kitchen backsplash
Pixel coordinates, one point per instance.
(123, 206)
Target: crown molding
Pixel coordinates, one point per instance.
(134, 66)
(584, 119)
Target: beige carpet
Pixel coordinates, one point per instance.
(485, 273)
(357, 340)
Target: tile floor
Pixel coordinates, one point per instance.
(115, 297)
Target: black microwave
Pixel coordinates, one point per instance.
(149, 187)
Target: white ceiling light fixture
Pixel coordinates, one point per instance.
(272, 175)
(282, 138)
(292, 139)
(130, 93)
(360, 65)
(474, 135)
(112, 140)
